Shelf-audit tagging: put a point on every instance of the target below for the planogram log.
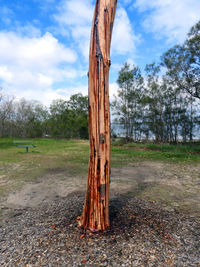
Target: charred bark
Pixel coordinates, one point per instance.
(95, 214)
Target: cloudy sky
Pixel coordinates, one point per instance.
(44, 43)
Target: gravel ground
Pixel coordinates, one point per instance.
(142, 234)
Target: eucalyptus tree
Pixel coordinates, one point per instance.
(155, 101)
(127, 105)
(175, 108)
(95, 214)
(192, 61)
(183, 63)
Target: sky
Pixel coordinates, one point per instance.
(44, 44)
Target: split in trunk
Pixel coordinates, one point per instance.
(95, 214)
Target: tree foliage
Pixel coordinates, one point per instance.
(155, 109)
(183, 63)
(161, 104)
(28, 119)
(69, 119)
(166, 106)
(127, 105)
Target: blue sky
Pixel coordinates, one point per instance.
(44, 44)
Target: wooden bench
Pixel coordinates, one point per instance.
(25, 143)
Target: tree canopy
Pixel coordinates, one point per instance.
(183, 63)
(160, 103)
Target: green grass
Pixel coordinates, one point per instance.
(60, 153)
(71, 157)
(48, 158)
(53, 154)
(165, 152)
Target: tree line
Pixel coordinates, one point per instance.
(30, 119)
(160, 104)
(164, 103)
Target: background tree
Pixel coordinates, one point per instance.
(78, 104)
(164, 108)
(69, 119)
(155, 101)
(29, 118)
(183, 63)
(127, 105)
(6, 112)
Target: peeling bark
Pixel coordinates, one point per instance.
(95, 214)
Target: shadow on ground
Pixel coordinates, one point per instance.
(142, 233)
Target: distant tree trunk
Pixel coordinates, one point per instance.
(95, 214)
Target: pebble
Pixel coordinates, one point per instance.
(141, 234)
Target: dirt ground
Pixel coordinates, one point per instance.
(154, 214)
(175, 186)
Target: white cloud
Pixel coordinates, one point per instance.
(75, 12)
(34, 65)
(76, 16)
(5, 74)
(27, 30)
(30, 67)
(113, 87)
(124, 39)
(75, 19)
(130, 61)
(45, 80)
(47, 95)
(44, 96)
(68, 91)
(115, 67)
(35, 53)
(168, 18)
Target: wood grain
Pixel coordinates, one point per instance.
(95, 214)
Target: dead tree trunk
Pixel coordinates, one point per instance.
(95, 214)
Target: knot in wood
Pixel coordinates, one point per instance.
(96, 22)
(102, 138)
(98, 54)
(102, 190)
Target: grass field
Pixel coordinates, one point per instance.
(18, 167)
(70, 157)
(163, 152)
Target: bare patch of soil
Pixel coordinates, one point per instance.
(173, 185)
(45, 190)
(154, 211)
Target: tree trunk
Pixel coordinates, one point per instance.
(95, 214)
